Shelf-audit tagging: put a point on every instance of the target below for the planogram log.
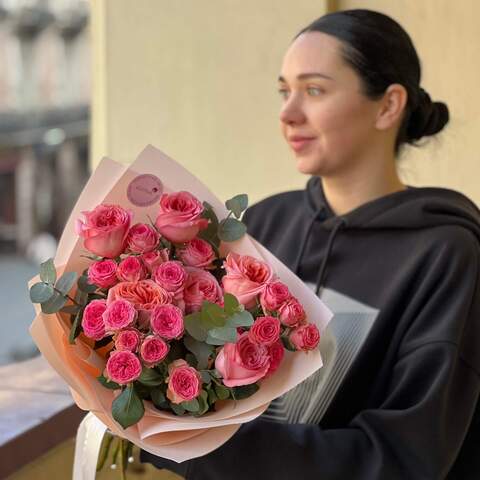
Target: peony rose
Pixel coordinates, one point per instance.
(276, 352)
(265, 330)
(128, 339)
(142, 238)
(273, 295)
(105, 229)
(103, 273)
(179, 219)
(246, 277)
(305, 337)
(152, 259)
(197, 253)
(153, 350)
(171, 276)
(167, 321)
(200, 286)
(144, 295)
(119, 314)
(123, 367)
(184, 382)
(242, 363)
(92, 322)
(291, 313)
(131, 269)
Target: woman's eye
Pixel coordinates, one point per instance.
(315, 89)
(283, 92)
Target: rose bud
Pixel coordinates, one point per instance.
(305, 337)
(123, 367)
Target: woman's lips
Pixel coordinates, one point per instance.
(300, 143)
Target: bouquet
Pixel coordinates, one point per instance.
(170, 324)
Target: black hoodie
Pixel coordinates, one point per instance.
(397, 398)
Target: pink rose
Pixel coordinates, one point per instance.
(184, 382)
(92, 321)
(152, 259)
(242, 363)
(119, 314)
(123, 367)
(265, 330)
(276, 352)
(273, 295)
(167, 321)
(131, 269)
(246, 277)
(128, 339)
(142, 238)
(179, 219)
(144, 295)
(153, 350)
(305, 337)
(105, 229)
(171, 276)
(103, 273)
(291, 313)
(197, 253)
(200, 285)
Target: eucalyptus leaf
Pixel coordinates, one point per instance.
(177, 408)
(191, 405)
(41, 292)
(203, 404)
(206, 378)
(110, 385)
(48, 272)
(210, 233)
(191, 360)
(75, 329)
(230, 304)
(244, 391)
(85, 286)
(127, 408)
(222, 392)
(222, 335)
(237, 204)
(65, 283)
(54, 304)
(201, 350)
(240, 319)
(158, 397)
(231, 229)
(212, 315)
(212, 396)
(193, 325)
(150, 377)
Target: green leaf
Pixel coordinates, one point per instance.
(222, 335)
(102, 343)
(158, 397)
(237, 204)
(54, 304)
(81, 297)
(127, 408)
(85, 286)
(76, 327)
(150, 377)
(41, 292)
(231, 229)
(200, 349)
(191, 360)
(287, 343)
(71, 309)
(222, 392)
(66, 281)
(193, 325)
(210, 233)
(206, 378)
(212, 315)
(245, 391)
(107, 384)
(48, 273)
(230, 304)
(177, 408)
(191, 405)
(212, 396)
(240, 319)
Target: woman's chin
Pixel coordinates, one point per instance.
(308, 166)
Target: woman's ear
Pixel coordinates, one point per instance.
(392, 107)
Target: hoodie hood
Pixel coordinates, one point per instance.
(413, 208)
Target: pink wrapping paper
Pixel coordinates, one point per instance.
(163, 433)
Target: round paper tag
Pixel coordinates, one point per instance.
(145, 190)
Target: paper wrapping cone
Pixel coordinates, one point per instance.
(163, 433)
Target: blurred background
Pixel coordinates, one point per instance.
(83, 79)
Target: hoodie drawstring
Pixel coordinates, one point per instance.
(296, 265)
(323, 268)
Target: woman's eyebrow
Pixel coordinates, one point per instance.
(304, 76)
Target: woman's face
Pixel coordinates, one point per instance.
(329, 108)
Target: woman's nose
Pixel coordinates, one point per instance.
(292, 112)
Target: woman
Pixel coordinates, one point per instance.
(397, 264)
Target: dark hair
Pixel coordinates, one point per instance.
(382, 53)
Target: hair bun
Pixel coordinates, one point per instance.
(427, 119)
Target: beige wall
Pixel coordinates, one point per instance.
(447, 38)
(198, 80)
